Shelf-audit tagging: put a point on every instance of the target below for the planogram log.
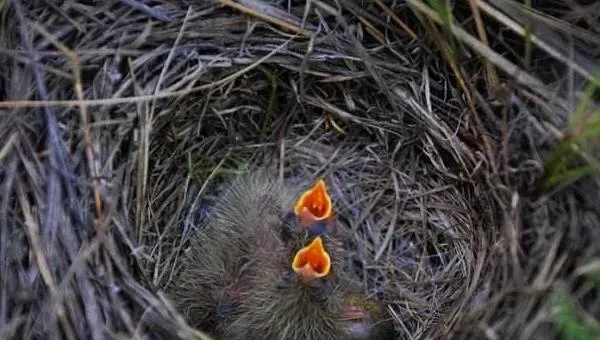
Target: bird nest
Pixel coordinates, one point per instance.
(120, 120)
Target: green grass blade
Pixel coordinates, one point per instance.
(569, 323)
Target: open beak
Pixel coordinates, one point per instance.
(312, 261)
(314, 204)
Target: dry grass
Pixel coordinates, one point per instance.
(119, 119)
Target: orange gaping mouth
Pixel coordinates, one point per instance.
(315, 203)
(312, 261)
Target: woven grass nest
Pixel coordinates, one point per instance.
(120, 121)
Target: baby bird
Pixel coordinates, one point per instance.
(268, 265)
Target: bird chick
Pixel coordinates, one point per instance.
(268, 265)
(366, 319)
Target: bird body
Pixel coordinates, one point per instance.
(264, 266)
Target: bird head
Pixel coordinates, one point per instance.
(313, 211)
(314, 204)
(366, 319)
(312, 261)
